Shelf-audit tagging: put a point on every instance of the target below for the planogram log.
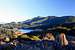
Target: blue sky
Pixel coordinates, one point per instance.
(20, 10)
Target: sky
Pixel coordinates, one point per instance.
(21, 10)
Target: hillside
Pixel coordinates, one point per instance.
(41, 22)
(49, 21)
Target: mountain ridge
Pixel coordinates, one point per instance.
(50, 21)
(41, 22)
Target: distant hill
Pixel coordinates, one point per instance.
(42, 22)
(49, 21)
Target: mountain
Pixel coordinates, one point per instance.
(42, 22)
(46, 22)
(37, 20)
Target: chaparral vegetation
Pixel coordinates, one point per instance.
(48, 33)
